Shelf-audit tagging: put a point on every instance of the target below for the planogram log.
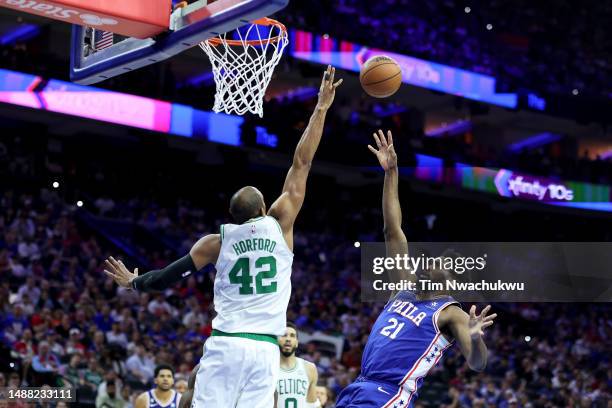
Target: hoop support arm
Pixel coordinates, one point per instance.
(193, 24)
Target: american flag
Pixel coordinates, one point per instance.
(102, 39)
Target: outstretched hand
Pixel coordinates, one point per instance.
(120, 274)
(386, 152)
(327, 91)
(478, 323)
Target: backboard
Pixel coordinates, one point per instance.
(97, 55)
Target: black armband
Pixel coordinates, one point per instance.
(161, 279)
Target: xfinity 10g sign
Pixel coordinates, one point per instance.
(511, 184)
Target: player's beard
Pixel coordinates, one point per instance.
(287, 353)
(164, 387)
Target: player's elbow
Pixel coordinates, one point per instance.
(301, 163)
(478, 366)
(392, 233)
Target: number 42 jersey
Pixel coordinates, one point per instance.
(405, 344)
(253, 281)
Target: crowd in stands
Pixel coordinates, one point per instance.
(63, 322)
(551, 46)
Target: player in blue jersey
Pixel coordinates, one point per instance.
(414, 329)
(163, 395)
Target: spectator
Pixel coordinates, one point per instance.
(45, 364)
(115, 336)
(140, 365)
(110, 397)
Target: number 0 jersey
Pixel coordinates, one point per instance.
(253, 282)
(293, 386)
(405, 343)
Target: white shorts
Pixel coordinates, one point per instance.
(236, 372)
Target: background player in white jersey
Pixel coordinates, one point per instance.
(297, 381)
(253, 259)
(163, 395)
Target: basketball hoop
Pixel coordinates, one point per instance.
(243, 67)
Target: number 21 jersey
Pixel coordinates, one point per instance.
(405, 342)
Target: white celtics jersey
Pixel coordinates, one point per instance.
(293, 386)
(253, 282)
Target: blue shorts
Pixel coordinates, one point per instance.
(371, 394)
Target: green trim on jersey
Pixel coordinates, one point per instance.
(222, 225)
(253, 336)
(291, 369)
(253, 219)
(278, 225)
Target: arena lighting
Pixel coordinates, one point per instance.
(467, 10)
(575, 91)
(527, 339)
(357, 244)
(79, 203)
(55, 184)
(489, 27)
(21, 33)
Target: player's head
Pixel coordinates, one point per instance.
(322, 394)
(181, 386)
(247, 203)
(164, 377)
(288, 342)
(435, 271)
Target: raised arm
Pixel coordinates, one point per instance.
(468, 331)
(203, 252)
(286, 208)
(395, 239)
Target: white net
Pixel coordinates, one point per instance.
(243, 67)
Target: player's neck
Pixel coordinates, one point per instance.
(431, 295)
(288, 363)
(161, 395)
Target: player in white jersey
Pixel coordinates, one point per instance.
(163, 395)
(297, 381)
(253, 258)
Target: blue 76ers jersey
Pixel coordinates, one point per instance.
(405, 343)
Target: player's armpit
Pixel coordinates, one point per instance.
(206, 250)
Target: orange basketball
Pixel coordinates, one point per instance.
(380, 76)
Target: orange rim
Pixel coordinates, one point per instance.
(265, 21)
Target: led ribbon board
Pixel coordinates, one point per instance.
(418, 72)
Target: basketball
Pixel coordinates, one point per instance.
(380, 76)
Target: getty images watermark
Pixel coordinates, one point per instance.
(491, 271)
(434, 276)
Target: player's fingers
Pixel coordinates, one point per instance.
(373, 150)
(389, 137)
(486, 324)
(112, 275)
(331, 77)
(136, 271)
(383, 139)
(473, 312)
(485, 311)
(115, 263)
(490, 317)
(109, 265)
(377, 141)
(337, 84)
